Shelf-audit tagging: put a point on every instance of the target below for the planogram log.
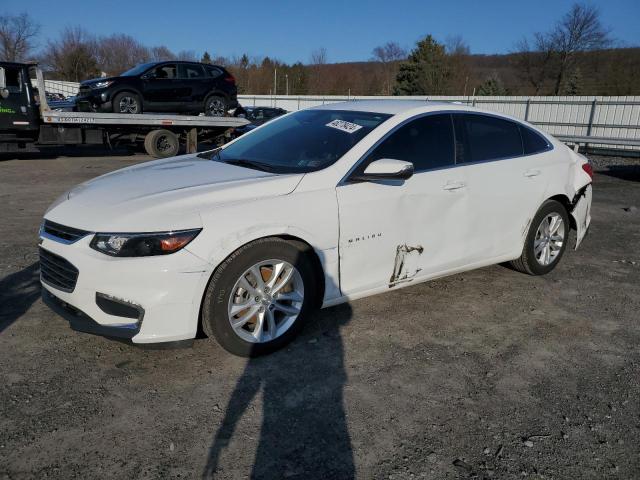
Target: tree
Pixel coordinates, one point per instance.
(186, 55)
(206, 58)
(317, 81)
(161, 53)
(119, 52)
(425, 72)
(17, 36)
(458, 55)
(574, 83)
(547, 60)
(492, 87)
(580, 30)
(73, 56)
(388, 55)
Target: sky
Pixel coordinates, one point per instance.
(290, 30)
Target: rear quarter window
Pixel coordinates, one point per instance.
(533, 142)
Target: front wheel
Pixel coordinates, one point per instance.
(162, 143)
(127, 102)
(546, 240)
(258, 298)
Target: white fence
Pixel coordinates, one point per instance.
(605, 117)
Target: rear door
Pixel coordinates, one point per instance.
(192, 85)
(392, 232)
(505, 186)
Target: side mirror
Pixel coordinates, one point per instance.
(386, 169)
(4, 92)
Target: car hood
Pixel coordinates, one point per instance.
(163, 195)
(101, 79)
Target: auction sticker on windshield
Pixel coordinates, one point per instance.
(344, 126)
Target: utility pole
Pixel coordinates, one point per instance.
(286, 80)
(275, 81)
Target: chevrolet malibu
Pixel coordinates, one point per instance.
(316, 208)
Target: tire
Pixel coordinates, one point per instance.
(533, 261)
(222, 295)
(215, 106)
(127, 102)
(161, 143)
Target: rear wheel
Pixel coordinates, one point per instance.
(546, 240)
(215, 106)
(127, 102)
(258, 298)
(161, 143)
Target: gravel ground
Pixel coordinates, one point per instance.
(486, 374)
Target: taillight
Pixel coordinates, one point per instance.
(588, 169)
(230, 78)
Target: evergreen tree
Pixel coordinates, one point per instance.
(206, 58)
(574, 83)
(425, 72)
(492, 87)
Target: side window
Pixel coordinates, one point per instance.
(13, 77)
(426, 142)
(482, 138)
(532, 141)
(213, 72)
(192, 71)
(165, 72)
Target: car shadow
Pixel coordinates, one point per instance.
(304, 432)
(623, 172)
(18, 291)
(48, 153)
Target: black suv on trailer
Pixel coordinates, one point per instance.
(170, 86)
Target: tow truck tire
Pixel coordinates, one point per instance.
(162, 143)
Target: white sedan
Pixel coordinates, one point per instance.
(316, 208)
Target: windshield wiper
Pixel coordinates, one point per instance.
(210, 155)
(241, 162)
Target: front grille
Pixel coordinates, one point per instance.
(63, 233)
(57, 272)
(84, 91)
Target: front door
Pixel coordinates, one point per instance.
(392, 232)
(160, 86)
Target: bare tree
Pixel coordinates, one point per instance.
(318, 83)
(580, 30)
(158, 54)
(389, 55)
(118, 53)
(551, 56)
(187, 55)
(17, 37)
(73, 55)
(456, 45)
(458, 53)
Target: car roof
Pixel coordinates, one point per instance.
(392, 107)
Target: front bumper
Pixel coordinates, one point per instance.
(98, 100)
(146, 300)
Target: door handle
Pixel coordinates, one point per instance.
(454, 185)
(532, 173)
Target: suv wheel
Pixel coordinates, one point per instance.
(215, 106)
(127, 102)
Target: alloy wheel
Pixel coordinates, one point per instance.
(128, 105)
(215, 107)
(549, 239)
(266, 301)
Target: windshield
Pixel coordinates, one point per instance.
(304, 141)
(137, 70)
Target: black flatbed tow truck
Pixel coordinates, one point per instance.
(27, 123)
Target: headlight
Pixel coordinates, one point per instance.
(104, 84)
(142, 244)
